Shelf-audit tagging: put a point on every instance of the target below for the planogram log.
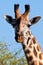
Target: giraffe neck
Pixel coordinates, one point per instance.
(31, 48)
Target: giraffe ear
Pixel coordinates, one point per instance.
(10, 20)
(35, 20)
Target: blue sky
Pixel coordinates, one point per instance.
(6, 30)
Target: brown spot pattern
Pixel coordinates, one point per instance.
(38, 48)
(34, 51)
(40, 55)
(40, 63)
(34, 63)
(30, 44)
(28, 40)
(27, 51)
(29, 58)
(34, 41)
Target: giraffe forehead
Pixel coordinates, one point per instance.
(25, 20)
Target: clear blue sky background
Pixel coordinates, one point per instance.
(6, 30)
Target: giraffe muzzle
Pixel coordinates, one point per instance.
(19, 38)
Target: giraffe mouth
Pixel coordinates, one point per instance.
(19, 38)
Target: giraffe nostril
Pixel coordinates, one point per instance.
(16, 37)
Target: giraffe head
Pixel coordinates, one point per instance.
(21, 21)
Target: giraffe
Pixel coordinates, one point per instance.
(23, 35)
